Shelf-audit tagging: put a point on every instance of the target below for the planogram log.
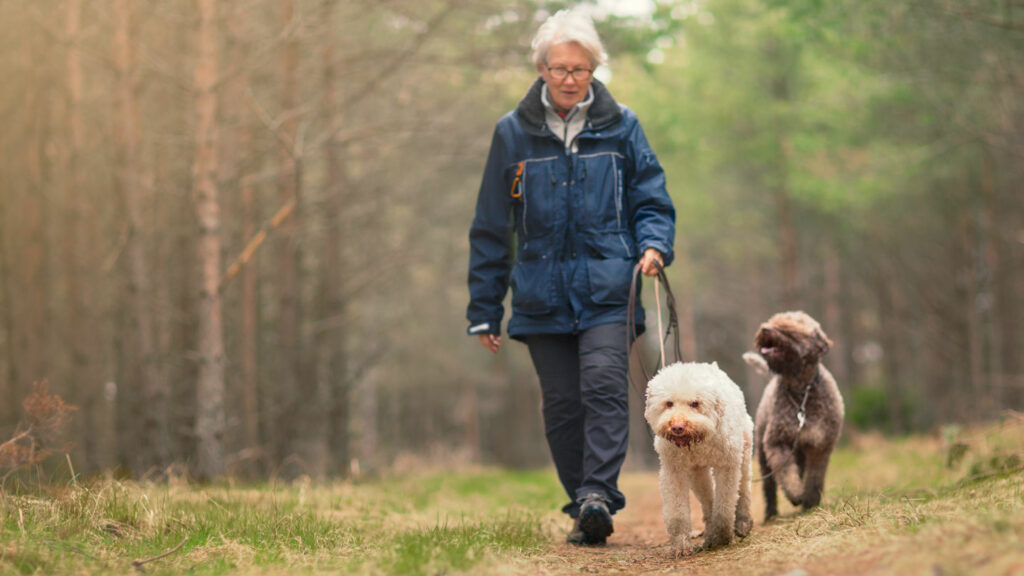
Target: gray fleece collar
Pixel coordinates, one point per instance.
(580, 108)
(569, 127)
(603, 113)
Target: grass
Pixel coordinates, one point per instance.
(892, 507)
(419, 525)
(462, 545)
(896, 507)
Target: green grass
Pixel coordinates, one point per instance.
(462, 545)
(421, 525)
(891, 506)
(491, 489)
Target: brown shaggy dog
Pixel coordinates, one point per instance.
(801, 412)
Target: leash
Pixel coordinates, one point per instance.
(657, 298)
(631, 329)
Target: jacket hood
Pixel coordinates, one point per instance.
(603, 112)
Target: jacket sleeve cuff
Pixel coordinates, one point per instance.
(484, 328)
(665, 252)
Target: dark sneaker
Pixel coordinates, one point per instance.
(575, 537)
(595, 520)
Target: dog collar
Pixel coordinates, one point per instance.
(801, 414)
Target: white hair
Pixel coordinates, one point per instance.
(566, 27)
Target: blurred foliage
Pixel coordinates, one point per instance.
(868, 407)
(867, 152)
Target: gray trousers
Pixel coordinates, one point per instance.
(586, 409)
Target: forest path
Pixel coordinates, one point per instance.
(640, 542)
(890, 507)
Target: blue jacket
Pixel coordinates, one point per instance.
(580, 221)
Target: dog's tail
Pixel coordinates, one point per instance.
(757, 362)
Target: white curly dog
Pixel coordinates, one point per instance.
(703, 437)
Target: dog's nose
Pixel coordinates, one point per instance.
(678, 429)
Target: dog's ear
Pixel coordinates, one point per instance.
(649, 394)
(650, 407)
(718, 405)
(820, 343)
(757, 337)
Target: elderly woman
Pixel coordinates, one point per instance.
(571, 176)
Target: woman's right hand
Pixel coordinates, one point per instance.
(490, 341)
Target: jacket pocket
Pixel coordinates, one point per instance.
(610, 268)
(538, 193)
(533, 286)
(609, 280)
(602, 179)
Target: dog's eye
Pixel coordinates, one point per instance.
(695, 404)
(669, 404)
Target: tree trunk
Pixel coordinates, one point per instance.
(754, 314)
(155, 446)
(893, 341)
(286, 419)
(9, 397)
(332, 369)
(30, 338)
(786, 234)
(249, 312)
(975, 346)
(833, 322)
(210, 420)
(780, 83)
(990, 263)
(247, 351)
(1008, 275)
(367, 425)
(78, 254)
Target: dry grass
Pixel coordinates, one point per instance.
(415, 525)
(891, 507)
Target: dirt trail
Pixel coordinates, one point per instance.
(882, 515)
(640, 542)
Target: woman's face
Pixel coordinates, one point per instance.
(568, 91)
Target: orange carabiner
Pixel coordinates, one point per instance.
(516, 191)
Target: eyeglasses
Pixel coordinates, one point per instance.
(579, 74)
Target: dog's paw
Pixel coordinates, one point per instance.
(757, 362)
(717, 536)
(810, 501)
(743, 526)
(683, 551)
(793, 495)
(806, 508)
(681, 544)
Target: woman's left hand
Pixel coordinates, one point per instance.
(647, 262)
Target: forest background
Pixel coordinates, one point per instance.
(234, 234)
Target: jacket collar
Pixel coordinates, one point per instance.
(580, 109)
(603, 112)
